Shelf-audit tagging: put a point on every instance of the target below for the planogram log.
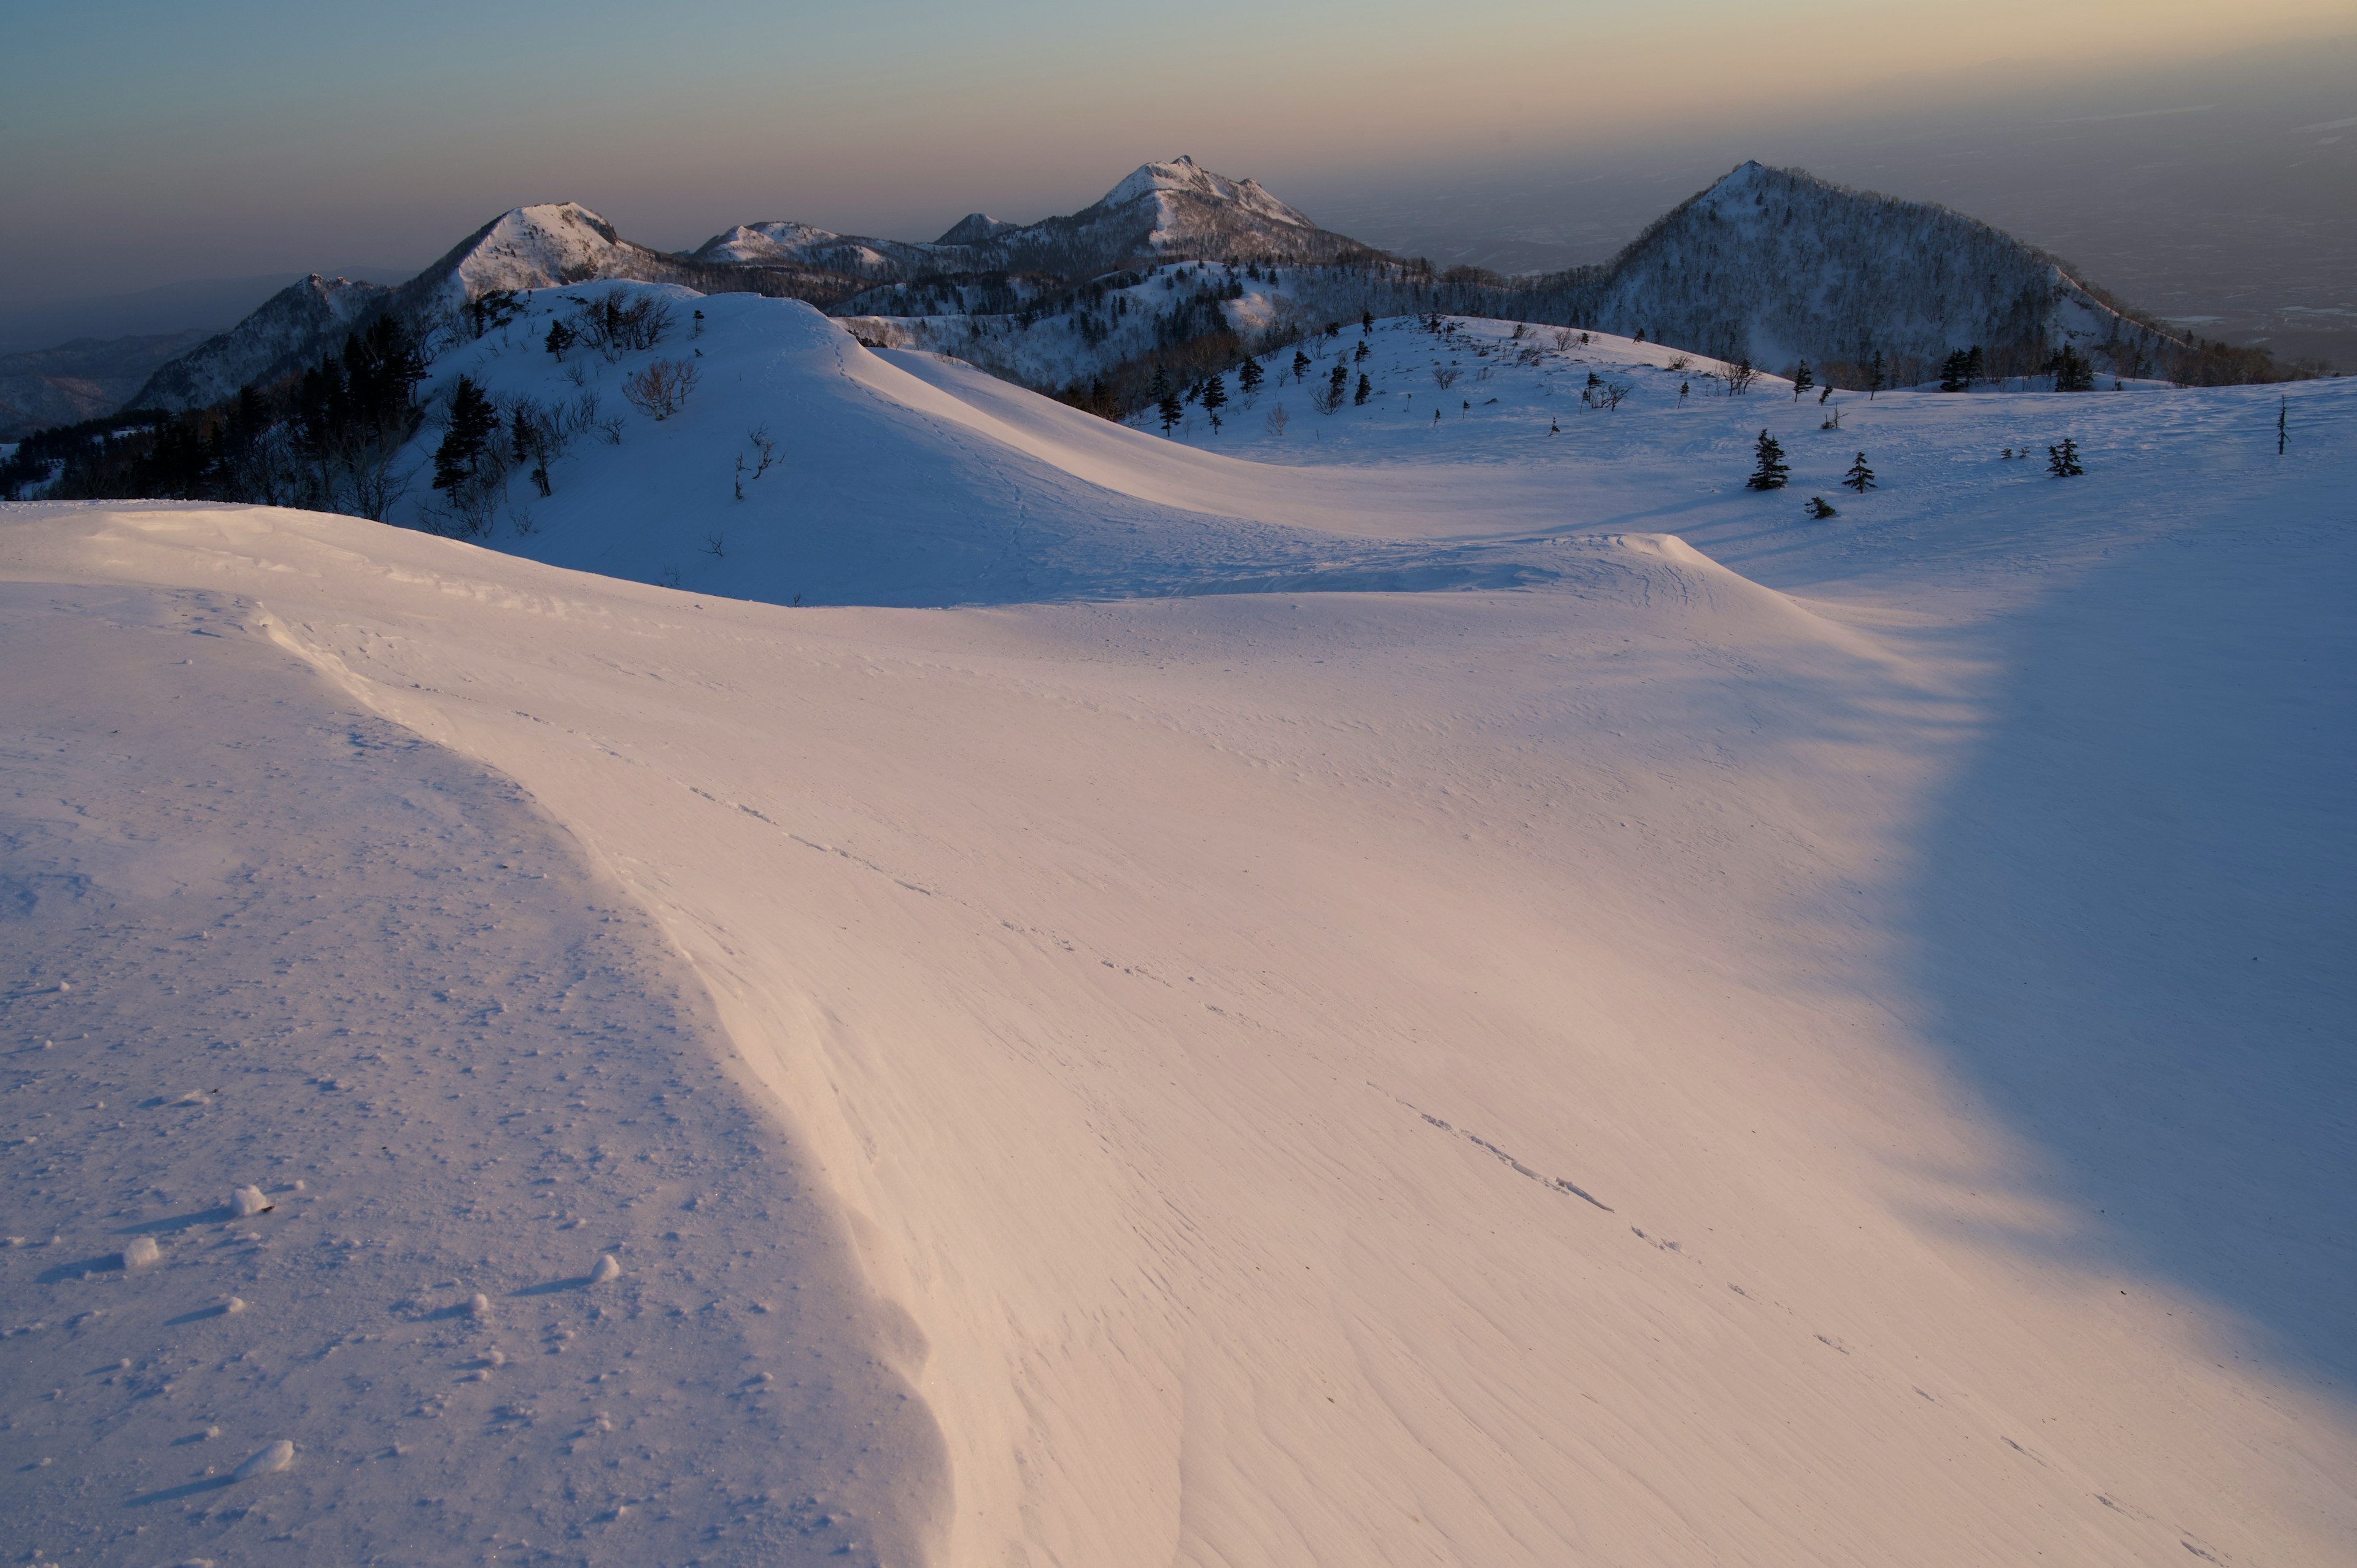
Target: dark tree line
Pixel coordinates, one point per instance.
(325, 440)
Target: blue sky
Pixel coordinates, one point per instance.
(147, 142)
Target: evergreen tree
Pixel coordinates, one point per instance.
(1955, 371)
(1300, 364)
(2071, 371)
(1973, 370)
(1860, 477)
(2062, 461)
(1772, 470)
(472, 421)
(1359, 356)
(1874, 375)
(1170, 410)
(1802, 381)
(1366, 389)
(1338, 380)
(560, 339)
(1820, 509)
(1248, 376)
(1215, 398)
(1366, 321)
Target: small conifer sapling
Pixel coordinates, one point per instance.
(1860, 477)
(1215, 398)
(1769, 471)
(2062, 461)
(1820, 509)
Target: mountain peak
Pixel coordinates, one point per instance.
(973, 228)
(1183, 178)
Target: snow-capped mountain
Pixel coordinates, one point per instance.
(1164, 211)
(1779, 266)
(545, 246)
(288, 334)
(1161, 211)
(783, 242)
(1772, 265)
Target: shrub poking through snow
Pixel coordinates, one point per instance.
(619, 322)
(1769, 471)
(660, 390)
(2062, 461)
(1820, 509)
(1860, 477)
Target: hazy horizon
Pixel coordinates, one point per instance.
(1525, 137)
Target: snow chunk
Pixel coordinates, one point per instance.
(605, 1270)
(269, 1461)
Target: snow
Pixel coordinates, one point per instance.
(1391, 993)
(1158, 182)
(532, 247)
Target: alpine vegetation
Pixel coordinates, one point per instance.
(1769, 469)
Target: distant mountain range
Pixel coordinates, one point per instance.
(1774, 265)
(83, 379)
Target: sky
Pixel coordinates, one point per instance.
(144, 144)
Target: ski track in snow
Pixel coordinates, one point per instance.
(1437, 994)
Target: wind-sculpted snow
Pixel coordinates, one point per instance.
(1459, 989)
(315, 1140)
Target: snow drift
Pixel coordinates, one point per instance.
(1573, 1069)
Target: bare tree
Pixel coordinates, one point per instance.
(660, 390)
(1277, 420)
(1445, 376)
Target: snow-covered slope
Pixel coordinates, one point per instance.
(288, 334)
(1408, 990)
(1780, 266)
